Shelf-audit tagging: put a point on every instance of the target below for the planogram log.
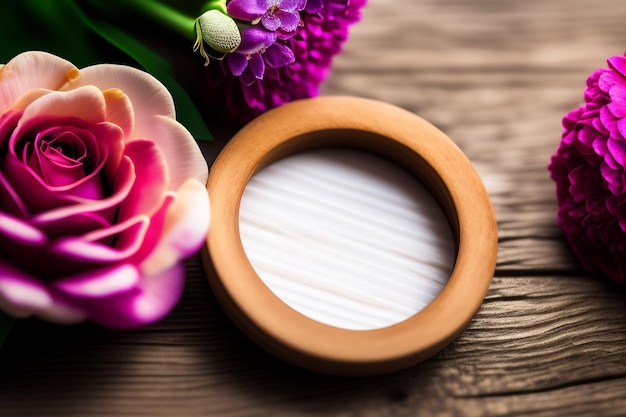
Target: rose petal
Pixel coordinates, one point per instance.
(186, 225)
(146, 94)
(182, 154)
(124, 182)
(147, 193)
(100, 283)
(55, 166)
(61, 312)
(155, 298)
(104, 144)
(29, 97)
(119, 110)
(8, 122)
(111, 137)
(10, 200)
(33, 70)
(78, 224)
(85, 103)
(20, 294)
(22, 243)
(43, 195)
(87, 248)
(18, 230)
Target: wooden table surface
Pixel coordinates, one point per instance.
(549, 340)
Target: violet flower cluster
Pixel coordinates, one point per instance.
(285, 53)
(589, 169)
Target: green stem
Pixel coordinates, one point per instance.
(156, 11)
(173, 19)
(215, 5)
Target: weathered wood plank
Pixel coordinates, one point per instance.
(538, 342)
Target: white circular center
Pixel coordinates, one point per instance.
(346, 238)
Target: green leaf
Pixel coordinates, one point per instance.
(6, 323)
(60, 27)
(46, 25)
(187, 113)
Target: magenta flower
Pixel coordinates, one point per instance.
(273, 14)
(320, 37)
(101, 193)
(589, 169)
(257, 48)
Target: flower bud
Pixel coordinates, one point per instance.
(219, 31)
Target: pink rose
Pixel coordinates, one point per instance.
(101, 193)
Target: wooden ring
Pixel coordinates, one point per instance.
(392, 133)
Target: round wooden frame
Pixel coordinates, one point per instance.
(390, 132)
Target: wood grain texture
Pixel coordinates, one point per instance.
(550, 340)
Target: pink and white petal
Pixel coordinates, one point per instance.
(20, 294)
(29, 97)
(99, 283)
(10, 199)
(129, 235)
(121, 187)
(111, 137)
(78, 224)
(22, 177)
(87, 249)
(148, 191)
(119, 110)
(33, 70)
(154, 233)
(86, 103)
(20, 243)
(19, 231)
(182, 154)
(186, 225)
(147, 95)
(153, 300)
(8, 122)
(61, 312)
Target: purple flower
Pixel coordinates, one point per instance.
(101, 193)
(589, 171)
(258, 47)
(314, 45)
(314, 6)
(273, 14)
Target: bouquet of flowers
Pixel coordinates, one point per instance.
(285, 52)
(101, 181)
